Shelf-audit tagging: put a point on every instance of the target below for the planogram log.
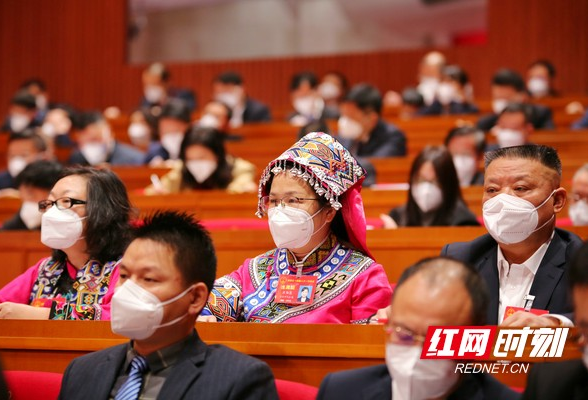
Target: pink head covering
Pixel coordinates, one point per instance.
(332, 172)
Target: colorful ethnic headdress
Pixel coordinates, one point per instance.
(332, 172)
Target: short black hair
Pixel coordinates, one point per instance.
(229, 78)
(85, 119)
(461, 131)
(228, 109)
(412, 97)
(366, 97)
(34, 82)
(301, 77)
(440, 267)
(517, 107)
(24, 99)
(456, 73)
(29, 134)
(510, 78)
(40, 174)
(579, 267)
(546, 155)
(194, 254)
(546, 64)
(176, 109)
(108, 209)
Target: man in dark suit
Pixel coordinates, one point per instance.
(436, 291)
(96, 144)
(157, 91)
(165, 278)
(567, 379)
(229, 89)
(509, 87)
(524, 254)
(362, 130)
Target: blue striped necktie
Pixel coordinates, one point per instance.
(132, 387)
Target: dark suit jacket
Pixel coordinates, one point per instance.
(541, 117)
(122, 154)
(256, 111)
(375, 383)
(155, 150)
(201, 372)
(550, 286)
(460, 216)
(6, 180)
(15, 223)
(436, 108)
(385, 140)
(557, 380)
(186, 95)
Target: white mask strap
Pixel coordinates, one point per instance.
(176, 298)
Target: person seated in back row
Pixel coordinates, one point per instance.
(434, 195)
(166, 274)
(467, 145)
(206, 165)
(171, 126)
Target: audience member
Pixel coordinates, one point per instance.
(429, 75)
(23, 148)
(311, 195)
(578, 210)
(86, 223)
(157, 91)
(333, 88)
(306, 100)
(37, 88)
(466, 145)
(567, 379)
(509, 87)
(582, 123)
(523, 253)
(361, 128)
(229, 88)
(57, 126)
(166, 275)
(21, 113)
(540, 76)
(171, 126)
(142, 128)
(454, 94)
(206, 165)
(412, 102)
(97, 146)
(434, 196)
(513, 126)
(34, 184)
(435, 291)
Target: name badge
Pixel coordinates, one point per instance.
(510, 310)
(296, 290)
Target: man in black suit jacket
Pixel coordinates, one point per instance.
(508, 86)
(522, 243)
(459, 298)
(567, 379)
(165, 278)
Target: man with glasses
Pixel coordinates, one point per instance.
(436, 291)
(567, 379)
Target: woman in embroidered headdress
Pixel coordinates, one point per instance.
(86, 222)
(311, 195)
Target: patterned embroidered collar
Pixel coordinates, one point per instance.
(317, 256)
(320, 160)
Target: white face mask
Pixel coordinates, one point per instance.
(329, 91)
(138, 133)
(16, 165)
(446, 93)
(209, 121)
(172, 142)
(231, 98)
(154, 93)
(509, 137)
(428, 88)
(201, 170)
(137, 313)
(538, 87)
(18, 122)
(305, 105)
(291, 228)
(41, 101)
(48, 129)
(427, 195)
(95, 153)
(579, 212)
(30, 215)
(510, 219)
(61, 229)
(498, 105)
(466, 169)
(417, 379)
(349, 128)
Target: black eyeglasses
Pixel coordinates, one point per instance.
(62, 203)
